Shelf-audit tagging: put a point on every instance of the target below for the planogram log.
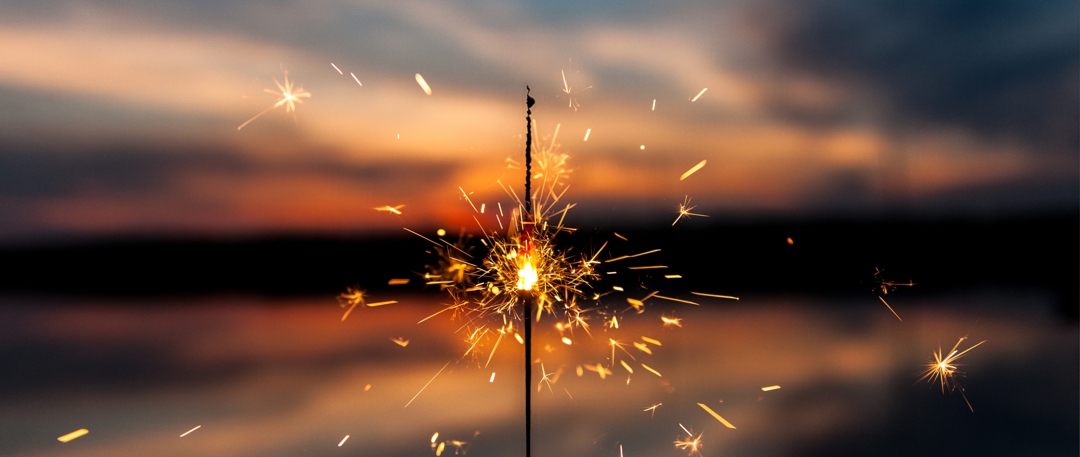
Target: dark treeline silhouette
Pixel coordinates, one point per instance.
(833, 257)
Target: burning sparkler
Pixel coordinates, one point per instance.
(944, 369)
(290, 97)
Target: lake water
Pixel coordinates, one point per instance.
(285, 377)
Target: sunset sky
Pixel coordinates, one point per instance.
(120, 117)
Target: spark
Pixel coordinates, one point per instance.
(352, 296)
(652, 409)
(699, 94)
(423, 84)
(717, 416)
(657, 373)
(425, 387)
(643, 147)
(672, 276)
(189, 431)
(548, 378)
(381, 303)
(684, 211)
(648, 267)
(356, 79)
(729, 297)
(651, 341)
(398, 282)
(768, 388)
(400, 341)
(679, 300)
(343, 440)
(567, 88)
(643, 347)
(336, 68)
(367, 387)
(654, 104)
(600, 370)
(790, 241)
(692, 170)
(492, 377)
(890, 307)
(620, 236)
(390, 209)
(620, 451)
(671, 321)
(888, 286)
(587, 132)
(691, 443)
(290, 97)
(626, 366)
(567, 341)
(73, 435)
(632, 255)
(944, 369)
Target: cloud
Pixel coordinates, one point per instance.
(1001, 69)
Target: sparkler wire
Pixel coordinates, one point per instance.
(527, 228)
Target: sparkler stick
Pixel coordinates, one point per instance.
(527, 227)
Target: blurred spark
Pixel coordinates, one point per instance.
(400, 341)
(390, 209)
(492, 377)
(684, 211)
(672, 276)
(425, 387)
(654, 104)
(626, 366)
(423, 84)
(352, 296)
(887, 286)
(717, 416)
(381, 303)
(790, 241)
(651, 370)
(587, 132)
(652, 409)
(356, 79)
(631, 256)
(343, 440)
(651, 341)
(679, 300)
(944, 369)
(729, 297)
(691, 444)
(671, 321)
(890, 307)
(768, 388)
(290, 96)
(567, 89)
(620, 236)
(692, 170)
(699, 94)
(73, 435)
(398, 282)
(648, 267)
(336, 68)
(192, 430)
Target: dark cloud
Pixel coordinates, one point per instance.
(1000, 68)
(134, 168)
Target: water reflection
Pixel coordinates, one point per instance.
(286, 377)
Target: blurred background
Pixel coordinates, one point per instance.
(161, 269)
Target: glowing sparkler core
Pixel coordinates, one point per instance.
(527, 276)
